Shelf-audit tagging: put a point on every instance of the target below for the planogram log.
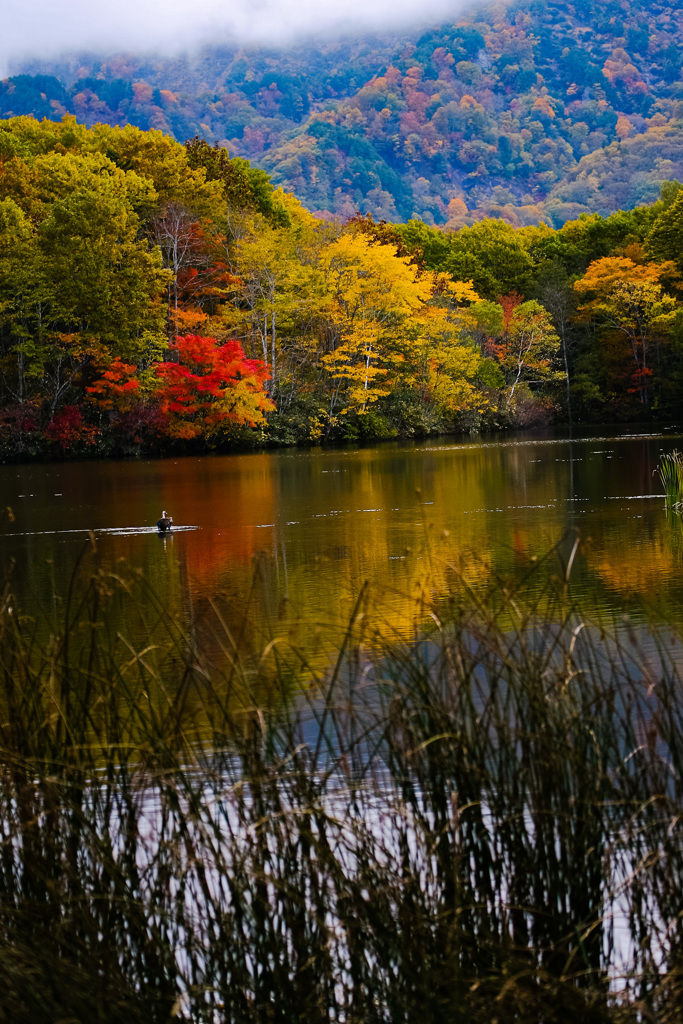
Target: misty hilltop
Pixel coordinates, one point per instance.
(523, 110)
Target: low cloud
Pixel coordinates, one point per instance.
(45, 28)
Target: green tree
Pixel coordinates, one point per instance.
(244, 187)
(161, 160)
(665, 240)
(23, 296)
(492, 255)
(428, 244)
(105, 282)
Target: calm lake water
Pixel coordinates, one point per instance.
(295, 534)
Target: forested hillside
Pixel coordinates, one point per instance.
(157, 297)
(522, 110)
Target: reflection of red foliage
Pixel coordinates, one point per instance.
(211, 384)
(228, 497)
(68, 427)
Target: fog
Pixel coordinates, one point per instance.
(46, 28)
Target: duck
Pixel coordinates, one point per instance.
(165, 523)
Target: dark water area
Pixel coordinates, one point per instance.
(297, 533)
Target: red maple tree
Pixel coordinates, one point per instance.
(210, 385)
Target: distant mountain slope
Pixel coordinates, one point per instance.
(523, 109)
(222, 93)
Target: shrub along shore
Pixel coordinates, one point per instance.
(158, 297)
(484, 823)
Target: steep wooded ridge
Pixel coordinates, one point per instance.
(529, 111)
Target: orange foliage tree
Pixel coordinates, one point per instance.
(627, 298)
(210, 386)
(117, 386)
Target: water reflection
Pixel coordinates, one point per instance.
(290, 537)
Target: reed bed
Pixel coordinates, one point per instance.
(483, 824)
(670, 470)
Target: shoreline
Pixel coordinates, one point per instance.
(558, 431)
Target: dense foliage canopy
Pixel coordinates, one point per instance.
(157, 296)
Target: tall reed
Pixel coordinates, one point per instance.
(482, 824)
(670, 471)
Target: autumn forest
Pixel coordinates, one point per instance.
(159, 297)
(382, 720)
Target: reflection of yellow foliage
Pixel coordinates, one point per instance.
(629, 572)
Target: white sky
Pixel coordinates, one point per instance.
(45, 28)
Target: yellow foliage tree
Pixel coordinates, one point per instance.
(276, 287)
(628, 298)
(445, 357)
(624, 127)
(373, 292)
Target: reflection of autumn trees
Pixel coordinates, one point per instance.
(633, 571)
(233, 507)
(481, 518)
(323, 546)
(287, 541)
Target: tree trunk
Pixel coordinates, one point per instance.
(563, 339)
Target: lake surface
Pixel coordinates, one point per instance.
(284, 542)
(294, 535)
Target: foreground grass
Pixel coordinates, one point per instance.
(481, 825)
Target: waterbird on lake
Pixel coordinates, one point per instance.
(165, 523)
